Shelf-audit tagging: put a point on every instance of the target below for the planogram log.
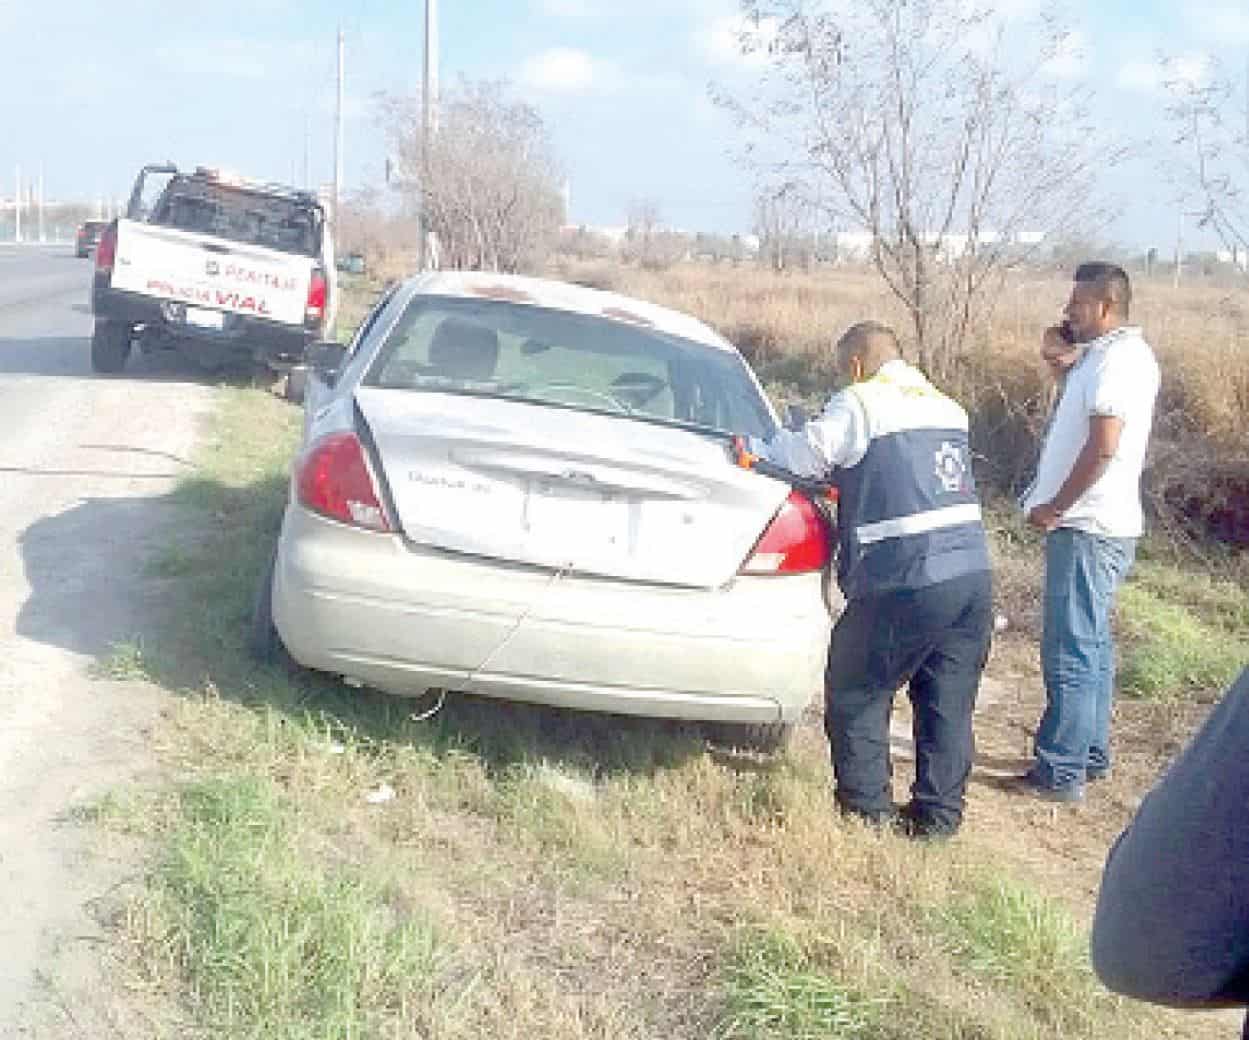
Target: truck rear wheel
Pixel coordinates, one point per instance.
(110, 345)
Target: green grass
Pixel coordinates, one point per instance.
(275, 940)
(1006, 934)
(776, 990)
(1185, 633)
(125, 662)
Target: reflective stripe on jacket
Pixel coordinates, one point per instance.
(908, 516)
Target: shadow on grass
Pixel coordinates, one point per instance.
(197, 590)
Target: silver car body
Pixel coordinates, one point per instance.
(558, 553)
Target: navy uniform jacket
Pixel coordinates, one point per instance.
(897, 448)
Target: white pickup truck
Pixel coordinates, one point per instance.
(218, 268)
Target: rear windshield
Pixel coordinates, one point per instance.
(95, 225)
(557, 358)
(240, 216)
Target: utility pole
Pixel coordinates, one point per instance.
(338, 134)
(429, 128)
(42, 237)
(17, 203)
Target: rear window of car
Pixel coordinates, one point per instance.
(563, 359)
(255, 219)
(95, 226)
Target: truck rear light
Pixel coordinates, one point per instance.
(335, 480)
(106, 249)
(795, 542)
(315, 308)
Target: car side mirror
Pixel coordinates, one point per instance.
(795, 417)
(325, 358)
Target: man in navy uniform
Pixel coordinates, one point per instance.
(913, 564)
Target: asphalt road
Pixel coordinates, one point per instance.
(84, 464)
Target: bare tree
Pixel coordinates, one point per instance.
(1210, 116)
(930, 126)
(367, 225)
(647, 242)
(492, 194)
(582, 243)
(783, 223)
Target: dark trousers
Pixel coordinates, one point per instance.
(935, 640)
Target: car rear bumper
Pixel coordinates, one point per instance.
(403, 618)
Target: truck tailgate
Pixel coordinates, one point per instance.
(206, 271)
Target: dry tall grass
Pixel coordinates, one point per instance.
(785, 324)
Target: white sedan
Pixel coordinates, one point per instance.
(524, 489)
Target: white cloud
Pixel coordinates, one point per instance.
(1193, 69)
(1145, 76)
(1227, 23)
(559, 69)
(721, 40)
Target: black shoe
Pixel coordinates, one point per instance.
(1095, 775)
(915, 823)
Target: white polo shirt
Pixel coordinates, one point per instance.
(1117, 376)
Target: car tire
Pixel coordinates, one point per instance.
(110, 345)
(263, 641)
(768, 738)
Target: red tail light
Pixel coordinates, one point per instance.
(796, 541)
(335, 480)
(106, 249)
(316, 298)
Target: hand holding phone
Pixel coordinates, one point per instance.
(1059, 349)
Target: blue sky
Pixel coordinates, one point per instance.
(90, 90)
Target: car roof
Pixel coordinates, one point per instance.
(566, 296)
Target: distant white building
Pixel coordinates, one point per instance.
(1238, 259)
(857, 245)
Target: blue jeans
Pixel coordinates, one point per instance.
(1082, 574)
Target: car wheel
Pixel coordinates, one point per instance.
(110, 345)
(765, 737)
(263, 641)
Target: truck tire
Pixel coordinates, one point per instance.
(110, 345)
(765, 737)
(296, 384)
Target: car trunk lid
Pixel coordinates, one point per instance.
(566, 489)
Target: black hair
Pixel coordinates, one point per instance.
(1111, 281)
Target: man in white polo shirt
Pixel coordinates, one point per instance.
(1086, 497)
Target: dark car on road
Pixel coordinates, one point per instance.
(88, 236)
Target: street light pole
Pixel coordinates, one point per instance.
(17, 203)
(429, 126)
